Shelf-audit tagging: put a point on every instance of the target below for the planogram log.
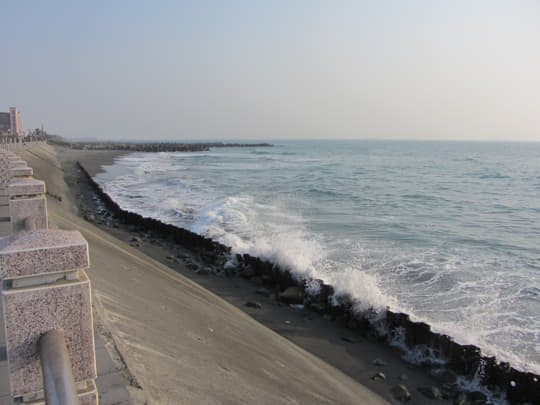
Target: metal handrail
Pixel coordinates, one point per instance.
(56, 369)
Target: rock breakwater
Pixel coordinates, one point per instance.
(154, 146)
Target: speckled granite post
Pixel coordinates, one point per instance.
(16, 162)
(13, 162)
(24, 171)
(63, 305)
(23, 187)
(27, 199)
(4, 167)
(42, 251)
(45, 288)
(21, 209)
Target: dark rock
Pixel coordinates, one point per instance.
(379, 362)
(328, 317)
(252, 304)
(263, 291)
(379, 376)
(403, 377)
(351, 339)
(401, 393)
(446, 376)
(342, 320)
(203, 272)
(318, 307)
(460, 399)
(239, 259)
(292, 295)
(449, 391)
(248, 272)
(477, 396)
(229, 272)
(353, 324)
(256, 280)
(431, 392)
(522, 387)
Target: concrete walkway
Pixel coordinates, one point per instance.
(111, 387)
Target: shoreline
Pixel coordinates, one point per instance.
(465, 360)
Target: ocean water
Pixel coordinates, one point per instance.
(448, 232)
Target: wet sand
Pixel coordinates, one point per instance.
(181, 336)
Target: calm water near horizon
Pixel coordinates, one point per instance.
(448, 232)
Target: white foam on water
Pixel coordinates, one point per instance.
(361, 286)
(269, 232)
(464, 297)
(260, 230)
(475, 385)
(422, 354)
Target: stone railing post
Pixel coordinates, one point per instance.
(26, 200)
(44, 289)
(5, 158)
(8, 160)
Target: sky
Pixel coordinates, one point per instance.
(279, 69)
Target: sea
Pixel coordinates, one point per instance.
(448, 232)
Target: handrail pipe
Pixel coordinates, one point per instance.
(56, 369)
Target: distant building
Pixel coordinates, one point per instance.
(5, 123)
(15, 122)
(10, 123)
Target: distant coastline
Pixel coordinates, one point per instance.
(153, 146)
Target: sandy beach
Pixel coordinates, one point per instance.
(183, 337)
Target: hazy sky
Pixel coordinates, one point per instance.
(274, 69)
